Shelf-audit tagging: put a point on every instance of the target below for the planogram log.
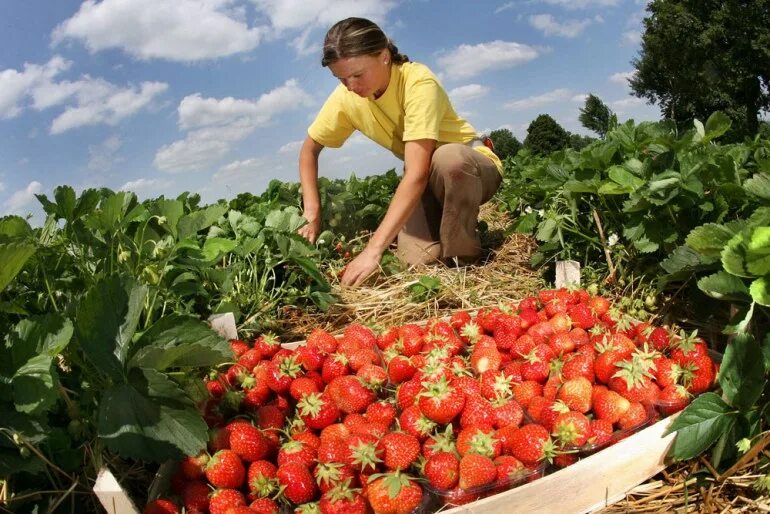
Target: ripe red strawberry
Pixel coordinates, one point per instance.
(349, 394)
(601, 432)
(195, 496)
(399, 450)
(509, 469)
(248, 442)
(270, 416)
(531, 444)
(335, 365)
(610, 406)
(294, 450)
(268, 345)
(239, 347)
(634, 416)
(582, 316)
(441, 402)
(311, 358)
(400, 369)
(373, 376)
(394, 493)
(250, 358)
(537, 362)
(660, 339)
(599, 305)
(478, 440)
(302, 386)
(334, 449)
(526, 390)
(410, 339)
(442, 470)
(260, 478)
(317, 410)
(329, 474)
(412, 421)
(673, 398)
(476, 471)
(576, 394)
(343, 500)
(578, 365)
(297, 482)
(360, 358)
(698, 374)
(225, 470)
(485, 358)
(383, 412)
(459, 319)
(665, 372)
(161, 506)
(323, 340)
(407, 393)
(507, 412)
(223, 500)
(478, 412)
(194, 467)
(544, 411)
(261, 506)
(605, 365)
(571, 429)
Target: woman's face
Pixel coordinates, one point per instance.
(364, 75)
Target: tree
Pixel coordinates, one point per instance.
(506, 144)
(578, 142)
(596, 116)
(545, 135)
(700, 56)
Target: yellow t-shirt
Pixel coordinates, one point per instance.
(414, 106)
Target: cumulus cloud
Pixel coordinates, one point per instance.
(291, 147)
(236, 169)
(548, 24)
(505, 7)
(622, 77)
(21, 200)
(103, 156)
(632, 37)
(215, 125)
(557, 95)
(299, 14)
(175, 30)
(468, 92)
(151, 185)
(627, 102)
(88, 101)
(15, 86)
(579, 98)
(470, 60)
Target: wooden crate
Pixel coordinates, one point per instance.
(588, 485)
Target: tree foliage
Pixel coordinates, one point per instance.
(545, 136)
(596, 116)
(506, 144)
(699, 56)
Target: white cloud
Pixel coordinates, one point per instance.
(469, 60)
(15, 86)
(468, 92)
(628, 102)
(505, 7)
(2, 187)
(622, 77)
(237, 169)
(531, 102)
(550, 27)
(215, 125)
(579, 98)
(291, 147)
(146, 185)
(103, 156)
(19, 201)
(582, 4)
(632, 37)
(176, 30)
(98, 101)
(299, 14)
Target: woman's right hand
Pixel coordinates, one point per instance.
(311, 230)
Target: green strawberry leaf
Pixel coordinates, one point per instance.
(758, 185)
(734, 257)
(742, 373)
(758, 251)
(739, 323)
(724, 286)
(150, 418)
(709, 239)
(716, 126)
(699, 425)
(35, 385)
(13, 256)
(760, 291)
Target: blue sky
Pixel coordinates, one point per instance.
(215, 96)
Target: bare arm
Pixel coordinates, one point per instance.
(417, 156)
(308, 177)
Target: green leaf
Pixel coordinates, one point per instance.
(766, 351)
(546, 231)
(625, 178)
(13, 256)
(612, 188)
(106, 321)
(734, 257)
(681, 258)
(150, 419)
(717, 124)
(742, 373)
(699, 425)
(171, 212)
(758, 185)
(196, 221)
(34, 385)
(39, 335)
(113, 212)
(739, 323)
(65, 200)
(216, 247)
(709, 239)
(14, 227)
(644, 245)
(699, 129)
(310, 267)
(179, 342)
(758, 251)
(723, 286)
(285, 220)
(525, 224)
(760, 291)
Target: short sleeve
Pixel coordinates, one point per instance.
(425, 103)
(332, 126)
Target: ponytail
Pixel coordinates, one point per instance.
(353, 37)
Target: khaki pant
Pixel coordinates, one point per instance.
(444, 223)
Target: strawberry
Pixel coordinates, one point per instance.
(334, 449)
(509, 469)
(526, 390)
(349, 394)
(317, 410)
(635, 416)
(329, 474)
(578, 365)
(399, 450)
(571, 429)
(360, 334)
(195, 496)
(260, 478)
(343, 500)
(297, 482)
(248, 442)
(322, 340)
(414, 422)
(441, 402)
(239, 347)
(225, 470)
(660, 339)
(394, 493)
(270, 416)
(268, 345)
(363, 357)
(599, 305)
(400, 369)
(536, 363)
(531, 444)
(410, 339)
(223, 500)
(507, 412)
(601, 432)
(673, 398)
(335, 365)
(485, 358)
(665, 372)
(161, 506)
(194, 467)
(478, 412)
(605, 365)
(302, 386)
(407, 393)
(478, 440)
(442, 470)
(582, 316)
(698, 374)
(459, 319)
(373, 376)
(260, 506)
(311, 358)
(610, 406)
(576, 394)
(476, 471)
(294, 450)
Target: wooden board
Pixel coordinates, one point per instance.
(111, 495)
(588, 485)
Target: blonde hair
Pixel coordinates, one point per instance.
(353, 37)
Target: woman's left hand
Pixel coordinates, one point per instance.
(360, 268)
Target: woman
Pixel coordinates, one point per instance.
(448, 171)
